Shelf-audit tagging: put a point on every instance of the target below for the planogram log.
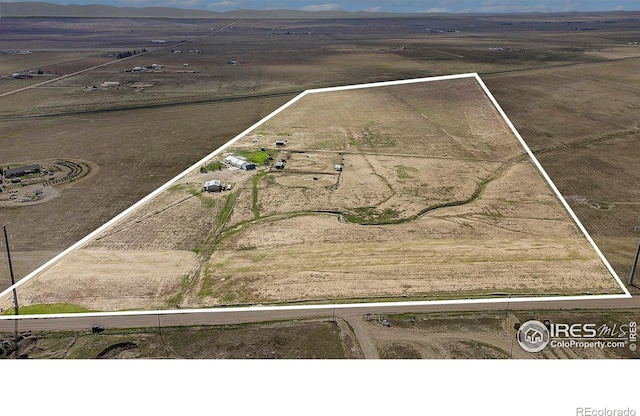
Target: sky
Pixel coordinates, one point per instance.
(398, 6)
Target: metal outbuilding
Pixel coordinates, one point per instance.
(21, 171)
(213, 186)
(239, 162)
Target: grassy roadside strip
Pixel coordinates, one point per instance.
(47, 308)
(254, 205)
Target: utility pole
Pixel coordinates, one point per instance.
(635, 261)
(13, 282)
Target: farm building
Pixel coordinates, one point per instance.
(108, 84)
(239, 162)
(21, 171)
(280, 165)
(280, 143)
(338, 168)
(21, 75)
(213, 186)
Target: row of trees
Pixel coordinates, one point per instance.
(127, 54)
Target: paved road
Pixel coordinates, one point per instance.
(227, 316)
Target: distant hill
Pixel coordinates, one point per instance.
(41, 9)
(38, 9)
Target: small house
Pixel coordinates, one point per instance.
(338, 168)
(280, 143)
(280, 165)
(213, 186)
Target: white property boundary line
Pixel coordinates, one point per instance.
(202, 161)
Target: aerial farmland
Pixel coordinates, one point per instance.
(382, 195)
(416, 191)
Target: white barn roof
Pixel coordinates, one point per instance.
(214, 182)
(237, 161)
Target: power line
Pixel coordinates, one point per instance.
(13, 282)
(635, 261)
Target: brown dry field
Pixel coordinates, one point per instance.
(135, 152)
(572, 95)
(514, 230)
(581, 123)
(436, 199)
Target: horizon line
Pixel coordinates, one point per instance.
(373, 13)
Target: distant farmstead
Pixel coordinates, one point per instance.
(21, 171)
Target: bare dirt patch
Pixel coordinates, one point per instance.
(484, 335)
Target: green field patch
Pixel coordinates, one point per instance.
(211, 167)
(228, 207)
(257, 156)
(47, 308)
(176, 298)
(254, 206)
